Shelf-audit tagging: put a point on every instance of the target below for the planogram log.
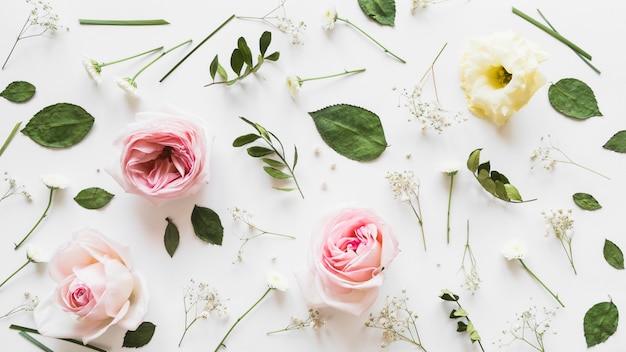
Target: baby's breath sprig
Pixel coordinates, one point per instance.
(253, 230)
(200, 301)
(277, 17)
(469, 267)
(14, 189)
(273, 167)
(542, 155)
(460, 313)
(423, 4)
(294, 83)
(398, 322)
(28, 305)
(330, 17)
(530, 327)
(407, 190)
(561, 223)
(41, 19)
(94, 67)
(313, 321)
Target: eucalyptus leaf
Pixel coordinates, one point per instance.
(617, 143)
(573, 98)
(171, 238)
(140, 337)
(351, 131)
(18, 91)
(59, 126)
(586, 201)
(600, 322)
(613, 255)
(275, 173)
(207, 225)
(93, 198)
(245, 139)
(381, 11)
(236, 61)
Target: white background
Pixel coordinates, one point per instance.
(54, 66)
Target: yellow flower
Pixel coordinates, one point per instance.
(499, 74)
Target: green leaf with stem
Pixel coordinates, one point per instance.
(93, 198)
(155, 22)
(460, 312)
(171, 238)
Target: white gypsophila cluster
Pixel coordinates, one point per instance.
(542, 154)
(293, 28)
(14, 189)
(472, 279)
(429, 113)
(419, 4)
(313, 321)
(403, 185)
(559, 222)
(204, 300)
(242, 215)
(28, 305)
(43, 15)
(529, 327)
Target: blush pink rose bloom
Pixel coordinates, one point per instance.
(349, 250)
(96, 288)
(164, 156)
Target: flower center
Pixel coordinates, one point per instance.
(166, 153)
(501, 77)
(80, 296)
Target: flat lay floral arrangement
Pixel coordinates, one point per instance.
(310, 177)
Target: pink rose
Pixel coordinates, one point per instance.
(349, 250)
(96, 288)
(164, 156)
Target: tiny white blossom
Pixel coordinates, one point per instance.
(93, 69)
(515, 250)
(293, 86)
(36, 255)
(127, 85)
(276, 280)
(54, 181)
(451, 168)
(329, 18)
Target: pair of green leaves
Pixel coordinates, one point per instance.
(60, 125)
(492, 181)
(206, 225)
(573, 98)
(93, 198)
(381, 11)
(242, 55)
(18, 91)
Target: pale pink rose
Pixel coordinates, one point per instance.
(164, 156)
(349, 250)
(96, 288)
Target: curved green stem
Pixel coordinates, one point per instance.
(541, 282)
(130, 57)
(345, 72)
(45, 212)
(372, 39)
(158, 57)
(15, 272)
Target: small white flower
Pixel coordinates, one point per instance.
(54, 181)
(515, 250)
(293, 86)
(277, 281)
(329, 18)
(36, 255)
(127, 85)
(451, 168)
(93, 69)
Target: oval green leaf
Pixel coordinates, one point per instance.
(586, 201)
(381, 11)
(473, 160)
(273, 163)
(264, 42)
(171, 238)
(140, 337)
(257, 152)
(613, 255)
(275, 173)
(617, 143)
(245, 139)
(600, 322)
(236, 61)
(351, 131)
(93, 198)
(245, 51)
(573, 98)
(207, 225)
(60, 125)
(18, 91)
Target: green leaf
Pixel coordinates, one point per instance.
(236, 61)
(257, 152)
(59, 126)
(207, 225)
(512, 192)
(273, 163)
(245, 139)
(213, 67)
(275, 173)
(18, 91)
(381, 11)
(171, 237)
(573, 98)
(264, 42)
(448, 295)
(617, 143)
(613, 255)
(295, 156)
(351, 131)
(473, 160)
(245, 51)
(459, 312)
(461, 326)
(140, 337)
(492, 181)
(586, 201)
(93, 198)
(273, 56)
(600, 322)
(222, 72)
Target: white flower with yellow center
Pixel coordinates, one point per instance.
(499, 74)
(329, 18)
(293, 86)
(515, 250)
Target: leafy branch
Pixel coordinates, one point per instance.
(273, 166)
(242, 55)
(460, 313)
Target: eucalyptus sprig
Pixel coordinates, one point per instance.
(242, 55)
(273, 165)
(460, 313)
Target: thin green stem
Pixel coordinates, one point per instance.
(35, 342)
(10, 137)
(15, 272)
(345, 72)
(45, 212)
(130, 57)
(432, 65)
(418, 214)
(221, 344)
(449, 205)
(372, 39)
(123, 22)
(196, 48)
(541, 282)
(569, 254)
(76, 342)
(158, 57)
(19, 36)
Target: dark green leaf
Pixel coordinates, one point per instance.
(264, 42)
(351, 131)
(273, 163)
(139, 337)
(59, 126)
(573, 98)
(245, 139)
(93, 198)
(236, 61)
(213, 67)
(600, 322)
(171, 237)
(586, 201)
(18, 91)
(273, 56)
(207, 225)
(613, 255)
(447, 295)
(617, 143)
(246, 54)
(473, 160)
(381, 11)
(257, 152)
(275, 173)
(295, 157)
(461, 326)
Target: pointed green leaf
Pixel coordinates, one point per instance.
(245, 139)
(275, 173)
(257, 152)
(600, 322)
(207, 225)
(295, 157)
(59, 126)
(222, 72)
(448, 295)
(171, 238)
(617, 143)
(586, 201)
(213, 67)
(573, 98)
(461, 326)
(93, 198)
(381, 11)
(351, 131)
(236, 61)
(140, 337)
(492, 181)
(459, 312)
(273, 163)
(18, 91)
(245, 51)
(264, 42)
(285, 189)
(273, 56)
(613, 255)
(473, 160)
(501, 191)
(512, 192)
